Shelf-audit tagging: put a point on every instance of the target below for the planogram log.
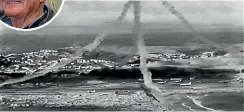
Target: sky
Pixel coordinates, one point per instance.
(94, 16)
(95, 12)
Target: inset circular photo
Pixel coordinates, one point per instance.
(28, 15)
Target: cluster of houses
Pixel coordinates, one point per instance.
(34, 61)
(173, 56)
(30, 62)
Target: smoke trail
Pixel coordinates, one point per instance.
(147, 75)
(98, 40)
(2, 31)
(74, 56)
(43, 72)
(1, 36)
(188, 25)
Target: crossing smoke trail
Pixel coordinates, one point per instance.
(189, 27)
(147, 75)
(72, 57)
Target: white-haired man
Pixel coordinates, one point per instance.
(25, 14)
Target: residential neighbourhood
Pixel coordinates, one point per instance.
(36, 61)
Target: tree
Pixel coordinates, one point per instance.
(219, 53)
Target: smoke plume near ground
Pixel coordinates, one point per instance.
(147, 75)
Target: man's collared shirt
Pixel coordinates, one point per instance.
(46, 16)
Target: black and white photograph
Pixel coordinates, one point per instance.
(125, 56)
(28, 14)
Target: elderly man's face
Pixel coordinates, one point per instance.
(14, 8)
